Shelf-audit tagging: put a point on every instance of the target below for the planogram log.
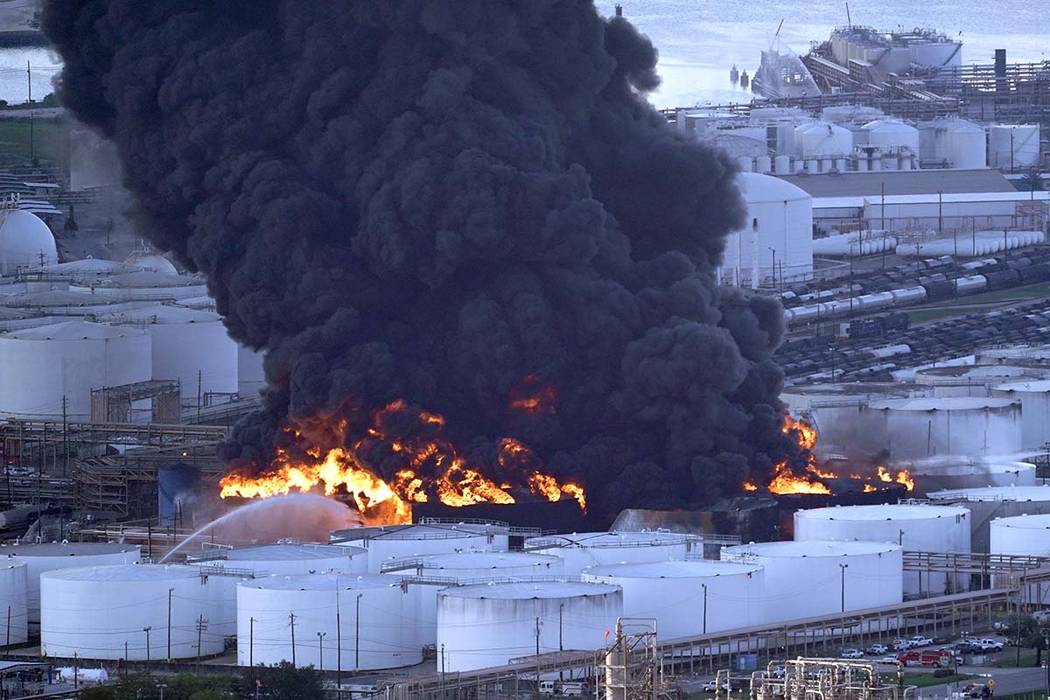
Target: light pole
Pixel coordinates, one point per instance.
(357, 634)
(338, 639)
(774, 252)
(843, 568)
(320, 651)
(170, 592)
(704, 622)
(146, 630)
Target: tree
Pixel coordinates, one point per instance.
(102, 692)
(284, 682)
(1032, 181)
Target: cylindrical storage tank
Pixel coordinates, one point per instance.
(469, 568)
(103, 612)
(777, 237)
(952, 142)
(763, 164)
(920, 528)
(782, 165)
(747, 164)
(14, 617)
(41, 366)
(188, 345)
(811, 579)
(236, 565)
(385, 544)
(892, 135)
(837, 411)
(367, 622)
(488, 625)
(688, 598)
(585, 549)
(940, 475)
(51, 556)
(1013, 146)
(1035, 409)
(1022, 535)
(916, 428)
(973, 380)
(988, 503)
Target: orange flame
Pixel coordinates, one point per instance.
(785, 481)
(431, 467)
(534, 396)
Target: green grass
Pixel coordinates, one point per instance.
(50, 139)
(924, 680)
(965, 305)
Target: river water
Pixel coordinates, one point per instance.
(699, 40)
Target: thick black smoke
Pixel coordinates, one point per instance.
(438, 201)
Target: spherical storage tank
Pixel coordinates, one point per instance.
(368, 621)
(920, 528)
(779, 217)
(187, 345)
(585, 549)
(387, 543)
(25, 241)
(490, 624)
(807, 579)
(1034, 397)
(98, 612)
(41, 366)
(51, 556)
(1012, 146)
(956, 142)
(14, 619)
(1023, 535)
(924, 427)
(676, 594)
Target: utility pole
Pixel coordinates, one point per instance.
(442, 670)
(537, 653)
(338, 640)
(357, 636)
(703, 627)
(320, 651)
(65, 436)
(843, 567)
(146, 630)
(32, 125)
(291, 621)
(202, 625)
(251, 642)
(170, 592)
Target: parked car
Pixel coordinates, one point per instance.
(901, 645)
(990, 644)
(877, 650)
(711, 686)
(851, 654)
(920, 641)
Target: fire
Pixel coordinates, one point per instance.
(533, 395)
(428, 466)
(786, 481)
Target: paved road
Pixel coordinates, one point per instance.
(1007, 681)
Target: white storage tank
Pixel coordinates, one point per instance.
(1034, 397)
(991, 502)
(920, 528)
(103, 612)
(390, 542)
(687, 598)
(1013, 146)
(1021, 535)
(892, 135)
(469, 568)
(363, 622)
(973, 380)
(585, 549)
(187, 345)
(924, 427)
(938, 475)
(152, 262)
(822, 139)
(810, 579)
(40, 366)
(779, 218)
(490, 624)
(14, 618)
(953, 143)
(25, 242)
(51, 556)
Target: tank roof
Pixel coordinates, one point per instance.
(530, 590)
(72, 330)
(993, 493)
(609, 539)
(757, 187)
(884, 512)
(972, 469)
(1036, 386)
(164, 314)
(946, 403)
(1025, 522)
(290, 552)
(67, 549)
(484, 560)
(322, 582)
(692, 568)
(417, 532)
(811, 548)
(125, 572)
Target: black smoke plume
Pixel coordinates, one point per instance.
(444, 201)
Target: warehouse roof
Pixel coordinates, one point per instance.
(901, 182)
